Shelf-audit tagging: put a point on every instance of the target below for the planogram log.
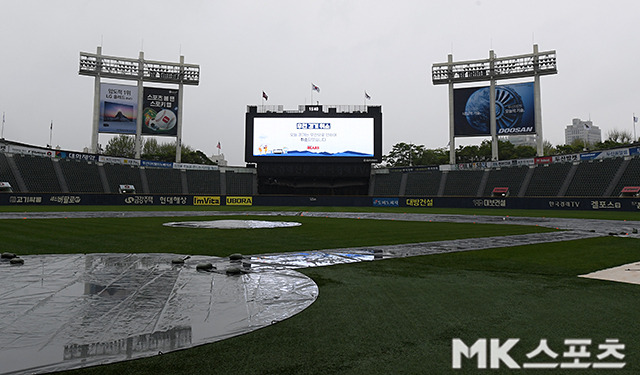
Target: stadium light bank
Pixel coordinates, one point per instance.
(492, 69)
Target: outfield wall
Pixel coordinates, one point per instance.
(66, 199)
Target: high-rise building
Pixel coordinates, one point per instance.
(584, 131)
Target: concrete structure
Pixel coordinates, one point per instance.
(584, 131)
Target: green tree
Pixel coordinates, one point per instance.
(150, 147)
(403, 155)
(122, 146)
(167, 152)
(548, 148)
(615, 138)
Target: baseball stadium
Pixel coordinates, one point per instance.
(314, 258)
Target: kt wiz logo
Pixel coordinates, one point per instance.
(575, 354)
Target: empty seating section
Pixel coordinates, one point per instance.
(38, 173)
(593, 178)
(81, 177)
(6, 175)
(423, 183)
(203, 182)
(463, 183)
(511, 178)
(164, 181)
(547, 180)
(239, 183)
(387, 184)
(123, 175)
(631, 177)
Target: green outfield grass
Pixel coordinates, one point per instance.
(579, 214)
(144, 235)
(392, 316)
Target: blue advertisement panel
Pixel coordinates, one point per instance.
(118, 108)
(515, 113)
(160, 112)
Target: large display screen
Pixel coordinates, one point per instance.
(514, 110)
(283, 137)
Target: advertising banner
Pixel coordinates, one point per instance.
(307, 136)
(514, 110)
(239, 201)
(160, 113)
(118, 108)
(206, 200)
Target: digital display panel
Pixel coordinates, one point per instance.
(514, 110)
(313, 136)
(306, 137)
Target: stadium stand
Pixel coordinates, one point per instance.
(203, 182)
(387, 184)
(164, 181)
(630, 177)
(38, 173)
(239, 183)
(463, 183)
(511, 178)
(423, 183)
(593, 178)
(81, 177)
(547, 180)
(123, 175)
(6, 175)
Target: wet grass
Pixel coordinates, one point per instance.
(145, 235)
(578, 214)
(393, 316)
(399, 316)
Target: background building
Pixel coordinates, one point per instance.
(582, 130)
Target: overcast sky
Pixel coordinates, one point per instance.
(343, 46)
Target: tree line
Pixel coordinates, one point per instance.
(124, 146)
(408, 154)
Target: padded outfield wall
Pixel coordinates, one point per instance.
(173, 200)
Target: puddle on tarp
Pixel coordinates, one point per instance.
(233, 224)
(60, 312)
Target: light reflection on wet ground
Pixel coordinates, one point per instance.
(61, 312)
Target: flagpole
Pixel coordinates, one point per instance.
(634, 127)
(2, 132)
(51, 135)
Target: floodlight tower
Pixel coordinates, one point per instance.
(492, 69)
(100, 66)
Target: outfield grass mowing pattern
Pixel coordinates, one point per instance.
(393, 316)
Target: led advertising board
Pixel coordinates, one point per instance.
(306, 137)
(118, 108)
(514, 110)
(160, 112)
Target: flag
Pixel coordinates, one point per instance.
(264, 95)
(315, 88)
(366, 96)
(51, 127)
(635, 119)
(218, 146)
